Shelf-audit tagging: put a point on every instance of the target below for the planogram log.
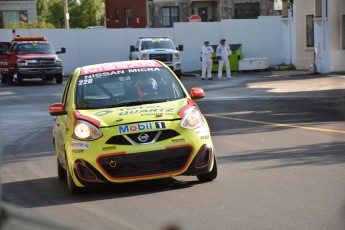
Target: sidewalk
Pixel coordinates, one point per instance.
(274, 83)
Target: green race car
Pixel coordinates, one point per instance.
(128, 121)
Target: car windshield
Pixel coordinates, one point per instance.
(34, 48)
(157, 44)
(126, 88)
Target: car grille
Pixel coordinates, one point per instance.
(43, 61)
(161, 57)
(132, 139)
(147, 163)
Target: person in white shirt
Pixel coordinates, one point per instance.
(223, 53)
(206, 58)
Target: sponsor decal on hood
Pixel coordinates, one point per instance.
(135, 114)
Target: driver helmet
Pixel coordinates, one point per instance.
(148, 86)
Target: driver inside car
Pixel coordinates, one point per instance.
(147, 89)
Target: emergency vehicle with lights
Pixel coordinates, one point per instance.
(28, 57)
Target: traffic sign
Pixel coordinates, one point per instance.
(194, 18)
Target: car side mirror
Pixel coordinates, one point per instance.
(57, 109)
(197, 93)
(63, 50)
(180, 48)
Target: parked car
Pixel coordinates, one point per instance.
(30, 57)
(128, 121)
(158, 48)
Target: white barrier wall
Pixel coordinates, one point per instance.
(260, 37)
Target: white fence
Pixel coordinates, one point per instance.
(260, 37)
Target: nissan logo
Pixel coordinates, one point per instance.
(143, 137)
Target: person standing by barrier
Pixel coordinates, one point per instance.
(223, 53)
(206, 58)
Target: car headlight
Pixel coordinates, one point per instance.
(192, 119)
(22, 63)
(176, 56)
(86, 131)
(58, 62)
(145, 57)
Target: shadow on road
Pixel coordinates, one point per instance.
(52, 191)
(320, 154)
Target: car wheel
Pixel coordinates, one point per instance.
(58, 79)
(19, 79)
(72, 188)
(60, 170)
(210, 176)
(3, 78)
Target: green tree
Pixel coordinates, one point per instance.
(92, 13)
(56, 13)
(42, 10)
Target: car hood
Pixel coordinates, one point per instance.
(158, 49)
(136, 114)
(33, 56)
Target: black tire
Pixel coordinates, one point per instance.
(178, 74)
(19, 79)
(72, 188)
(58, 79)
(4, 78)
(9, 78)
(60, 171)
(210, 176)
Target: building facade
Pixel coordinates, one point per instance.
(314, 35)
(164, 13)
(16, 11)
(124, 13)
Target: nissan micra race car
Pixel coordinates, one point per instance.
(128, 121)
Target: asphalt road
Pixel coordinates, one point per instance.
(280, 147)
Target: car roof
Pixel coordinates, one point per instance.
(121, 65)
(154, 38)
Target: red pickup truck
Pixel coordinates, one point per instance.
(29, 57)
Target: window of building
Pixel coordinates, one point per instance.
(285, 10)
(170, 15)
(343, 33)
(247, 10)
(318, 8)
(310, 31)
(128, 17)
(321, 8)
(13, 16)
(117, 14)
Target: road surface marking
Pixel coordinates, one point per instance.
(276, 124)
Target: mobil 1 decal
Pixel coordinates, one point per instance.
(147, 126)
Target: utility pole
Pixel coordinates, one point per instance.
(65, 9)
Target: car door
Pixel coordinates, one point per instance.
(4, 57)
(64, 124)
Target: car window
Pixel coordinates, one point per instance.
(67, 93)
(34, 48)
(111, 89)
(157, 44)
(3, 49)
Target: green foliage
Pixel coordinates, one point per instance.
(92, 13)
(56, 13)
(87, 13)
(29, 25)
(42, 10)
